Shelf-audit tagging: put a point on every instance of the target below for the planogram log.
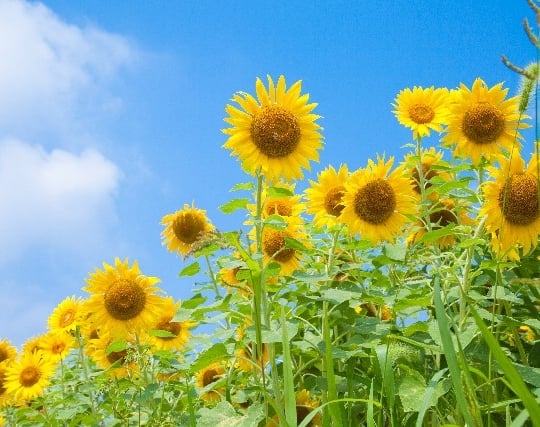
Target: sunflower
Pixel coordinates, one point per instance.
(66, 315)
(245, 356)
(276, 133)
(304, 405)
(27, 377)
(324, 197)
(184, 228)
(8, 353)
(278, 200)
(482, 121)
(377, 202)
(122, 300)
(422, 109)
(206, 380)
(443, 213)
(511, 206)
(179, 331)
(56, 345)
(433, 166)
(5, 397)
(383, 312)
(228, 278)
(116, 363)
(33, 344)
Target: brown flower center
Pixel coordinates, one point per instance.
(115, 356)
(173, 327)
(302, 412)
(483, 123)
(421, 113)
(58, 347)
(519, 199)
(427, 173)
(4, 355)
(274, 245)
(125, 299)
(279, 207)
(275, 131)
(332, 200)
(375, 202)
(443, 217)
(210, 376)
(67, 318)
(29, 376)
(187, 227)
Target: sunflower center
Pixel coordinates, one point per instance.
(274, 246)
(427, 173)
(67, 318)
(443, 217)
(115, 356)
(188, 227)
(3, 354)
(278, 207)
(302, 412)
(421, 113)
(210, 376)
(375, 202)
(519, 199)
(332, 200)
(125, 299)
(172, 327)
(58, 348)
(275, 131)
(483, 123)
(29, 376)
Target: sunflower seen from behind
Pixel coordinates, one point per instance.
(325, 196)
(27, 377)
(422, 109)
(378, 202)
(511, 206)
(483, 122)
(184, 228)
(122, 300)
(275, 133)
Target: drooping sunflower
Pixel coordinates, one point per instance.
(66, 315)
(122, 300)
(377, 202)
(276, 133)
(304, 405)
(433, 166)
(27, 377)
(180, 331)
(512, 207)
(482, 122)
(422, 109)
(442, 214)
(324, 197)
(57, 344)
(184, 228)
(207, 378)
(8, 353)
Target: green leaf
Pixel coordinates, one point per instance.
(395, 252)
(276, 222)
(338, 295)
(190, 270)
(216, 353)
(279, 192)
(160, 333)
(296, 245)
(194, 301)
(234, 204)
(116, 347)
(246, 186)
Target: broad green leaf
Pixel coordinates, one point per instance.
(395, 252)
(279, 192)
(216, 353)
(116, 347)
(190, 270)
(247, 186)
(233, 205)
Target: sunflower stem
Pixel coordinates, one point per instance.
(86, 374)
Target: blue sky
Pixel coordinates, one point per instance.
(110, 114)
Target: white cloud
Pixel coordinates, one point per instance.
(56, 199)
(50, 67)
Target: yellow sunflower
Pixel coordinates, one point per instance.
(432, 166)
(33, 344)
(377, 202)
(324, 197)
(66, 315)
(304, 405)
(179, 330)
(245, 357)
(122, 299)
(56, 345)
(8, 353)
(228, 278)
(442, 214)
(287, 204)
(207, 378)
(99, 351)
(27, 377)
(276, 133)
(184, 228)
(511, 206)
(422, 109)
(482, 121)
(5, 398)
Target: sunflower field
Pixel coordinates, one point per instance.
(403, 293)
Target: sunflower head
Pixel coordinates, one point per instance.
(247, 360)
(122, 300)
(184, 228)
(377, 202)
(422, 109)
(275, 133)
(8, 353)
(432, 167)
(483, 123)
(56, 345)
(324, 197)
(66, 315)
(206, 381)
(304, 406)
(28, 377)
